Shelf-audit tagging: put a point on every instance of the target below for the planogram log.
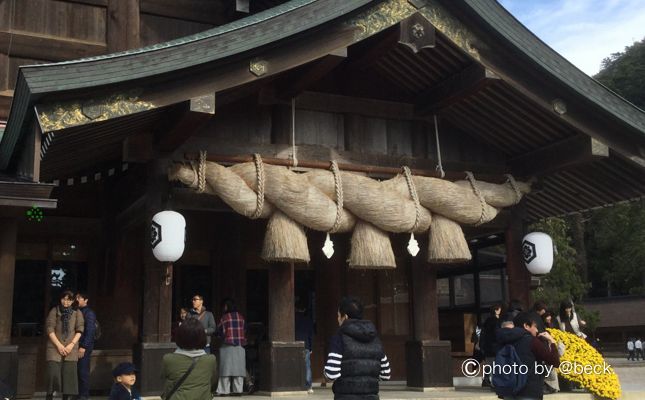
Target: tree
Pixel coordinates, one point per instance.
(624, 73)
(615, 237)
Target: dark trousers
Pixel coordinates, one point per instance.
(84, 373)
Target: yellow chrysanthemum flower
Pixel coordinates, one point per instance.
(599, 378)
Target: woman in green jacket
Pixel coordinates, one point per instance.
(196, 385)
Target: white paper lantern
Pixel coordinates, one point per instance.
(537, 251)
(168, 236)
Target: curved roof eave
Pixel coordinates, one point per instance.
(252, 32)
(524, 41)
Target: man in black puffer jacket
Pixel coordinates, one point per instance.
(356, 360)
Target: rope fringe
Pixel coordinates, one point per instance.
(201, 172)
(259, 170)
(338, 186)
(478, 193)
(415, 197)
(513, 184)
(436, 135)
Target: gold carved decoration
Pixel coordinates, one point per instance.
(381, 17)
(54, 117)
(451, 27)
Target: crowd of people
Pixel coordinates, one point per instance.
(635, 349)
(527, 332)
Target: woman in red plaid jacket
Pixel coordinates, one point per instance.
(232, 356)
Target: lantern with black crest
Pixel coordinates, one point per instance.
(537, 251)
(168, 238)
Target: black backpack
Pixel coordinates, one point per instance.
(97, 330)
(508, 384)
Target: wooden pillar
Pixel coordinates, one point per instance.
(8, 232)
(8, 353)
(281, 303)
(426, 355)
(123, 25)
(281, 349)
(157, 291)
(519, 278)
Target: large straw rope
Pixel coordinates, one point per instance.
(311, 198)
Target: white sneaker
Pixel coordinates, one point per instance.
(310, 391)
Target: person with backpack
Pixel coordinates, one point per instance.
(524, 352)
(85, 346)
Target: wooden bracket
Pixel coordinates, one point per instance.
(459, 86)
(566, 153)
(417, 33)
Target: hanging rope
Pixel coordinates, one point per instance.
(513, 184)
(293, 132)
(436, 135)
(415, 197)
(201, 172)
(338, 186)
(478, 193)
(259, 171)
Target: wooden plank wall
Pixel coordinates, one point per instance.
(246, 128)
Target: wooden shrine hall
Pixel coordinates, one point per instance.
(269, 125)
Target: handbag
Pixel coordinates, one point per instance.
(181, 380)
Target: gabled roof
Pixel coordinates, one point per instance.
(531, 72)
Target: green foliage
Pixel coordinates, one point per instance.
(615, 237)
(564, 281)
(624, 73)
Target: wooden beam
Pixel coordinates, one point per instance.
(6, 96)
(335, 103)
(29, 161)
(199, 111)
(8, 238)
(576, 150)
(138, 148)
(45, 47)
(451, 90)
(366, 53)
(123, 25)
(214, 12)
(272, 61)
(318, 157)
(100, 3)
(293, 84)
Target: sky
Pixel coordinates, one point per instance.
(583, 31)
